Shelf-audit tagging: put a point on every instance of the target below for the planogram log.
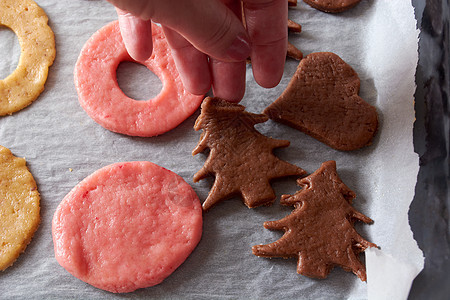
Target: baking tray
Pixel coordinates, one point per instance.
(429, 211)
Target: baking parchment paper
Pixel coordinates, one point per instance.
(62, 145)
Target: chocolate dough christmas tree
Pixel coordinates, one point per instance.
(320, 231)
(241, 159)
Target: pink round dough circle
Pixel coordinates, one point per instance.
(127, 226)
(103, 100)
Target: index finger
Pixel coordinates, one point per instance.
(267, 27)
(136, 34)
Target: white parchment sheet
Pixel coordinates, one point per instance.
(62, 145)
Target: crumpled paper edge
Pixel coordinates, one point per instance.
(390, 272)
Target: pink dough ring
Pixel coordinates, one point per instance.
(127, 226)
(103, 100)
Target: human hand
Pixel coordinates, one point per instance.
(209, 42)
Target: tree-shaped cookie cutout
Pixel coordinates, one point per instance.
(241, 159)
(322, 100)
(320, 230)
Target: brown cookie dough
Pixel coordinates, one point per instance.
(320, 230)
(241, 159)
(19, 207)
(322, 100)
(292, 51)
(293, 26)
(332, 6)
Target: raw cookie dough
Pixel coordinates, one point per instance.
(103, 100)
(322, 100)
(19, 207)
(332, 6)
(241, 159)
(319, 231)
(37, 42)
(127, 226)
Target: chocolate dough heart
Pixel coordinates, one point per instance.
(322, 100)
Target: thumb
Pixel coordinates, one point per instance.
(209, 25)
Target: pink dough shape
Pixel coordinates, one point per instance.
(103, 100)
(127, 226)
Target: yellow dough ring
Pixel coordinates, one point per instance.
(37, 41)
(19, 207)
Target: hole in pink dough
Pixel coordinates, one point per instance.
(137, 81)
(9, 51)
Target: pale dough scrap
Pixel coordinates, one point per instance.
(37, 41)
(19, 207)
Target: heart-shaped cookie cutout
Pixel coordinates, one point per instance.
(322, 101)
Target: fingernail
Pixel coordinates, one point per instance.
(240, 48)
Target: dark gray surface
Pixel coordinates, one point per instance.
(429, 212)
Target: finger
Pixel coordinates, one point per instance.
(136, 34)
(228, 80)
(208, 25)
(191, 63)
(267, 26)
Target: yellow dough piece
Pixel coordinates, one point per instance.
(37, 41)
(19, 207)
